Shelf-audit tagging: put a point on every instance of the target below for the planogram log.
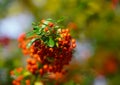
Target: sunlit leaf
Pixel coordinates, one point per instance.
(57, 44)
(38, 83)
(43, 26)
(51, 42)
(29, 34)
(31, 42)
(35, 27)
(49, 19)
(26, 73)
(45, 22)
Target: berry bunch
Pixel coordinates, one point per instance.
(18, 75)
(50, 48)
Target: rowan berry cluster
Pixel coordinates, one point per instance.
(18, 75)
(50, 48)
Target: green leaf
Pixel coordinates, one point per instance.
(44, 38)
(51, 42)
(49, 19)
(43, 26)
(31, 42)
(36, 27)
(26, 73)
(56, 27)
(30, 34)
(61, 19)
(57, 44)
(39, 31)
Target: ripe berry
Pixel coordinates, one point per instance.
(73, 41)
(27, 82)
(41, 71)
(46, 29)
(45, 67)
(73, 45)
(50, 24)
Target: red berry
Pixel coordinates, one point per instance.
(46, 29)
(41, 71)
(50, 24)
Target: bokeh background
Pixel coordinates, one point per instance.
(95, 24)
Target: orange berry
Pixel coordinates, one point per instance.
(73, 45)
(39, 59)
(29, 60)
(35, 67)
(65, 48)
(51, 49)
(11, 72)
(19, 69)
(14, 82)
(21, 37)
(63, 30)
(25, 52)
(67, 30)
(41, 71)
(58, 75)
(36, 56)
(50, 24)
(50, 68)
(68, 34)
(46, 29)
(23, 45)
(27, 82)
(31, 50)
(31, 70)
(17, 83)
(64, 34)
(59, 39)
(31, 54)
(45, 67)
(66, 42)
(20, 78)
(73, 40)
(33, 62)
